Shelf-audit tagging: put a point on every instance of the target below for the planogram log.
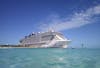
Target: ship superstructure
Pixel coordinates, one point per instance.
(45, 40)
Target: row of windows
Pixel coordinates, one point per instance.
(47, 37)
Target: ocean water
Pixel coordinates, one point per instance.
(49, 58)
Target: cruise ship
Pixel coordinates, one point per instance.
(49, 39)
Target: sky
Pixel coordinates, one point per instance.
(77, 20)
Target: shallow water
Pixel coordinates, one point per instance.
(49, 58)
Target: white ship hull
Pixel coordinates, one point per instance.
(45, 40)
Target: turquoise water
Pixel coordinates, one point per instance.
(49, 58)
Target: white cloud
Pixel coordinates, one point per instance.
(75, 21)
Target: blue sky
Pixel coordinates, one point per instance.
(78, 20)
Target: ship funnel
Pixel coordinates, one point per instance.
(50, 30)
